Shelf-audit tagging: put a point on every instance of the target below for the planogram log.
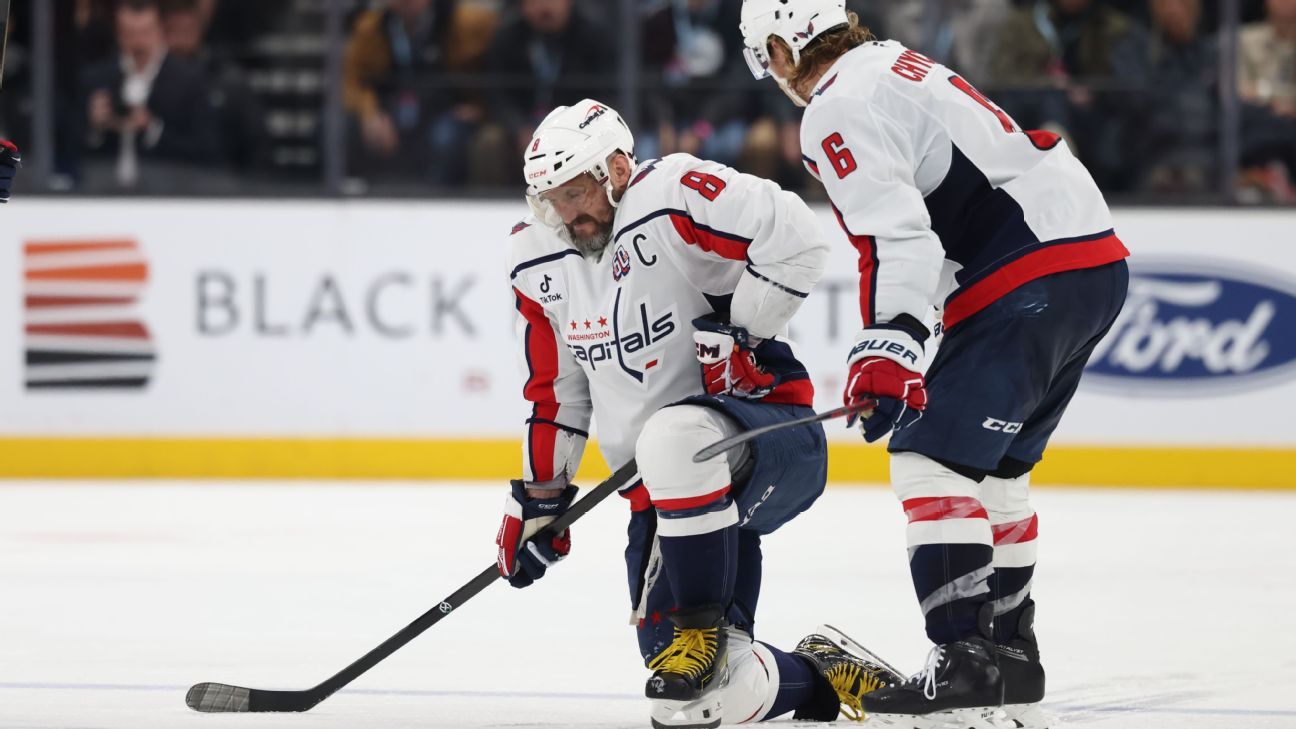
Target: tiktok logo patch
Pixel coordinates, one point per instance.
(550, 284)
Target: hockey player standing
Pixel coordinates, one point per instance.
(950, 204)
(619, 265)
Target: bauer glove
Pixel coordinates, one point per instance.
(885, 368)
(526, 547)
(728, 360)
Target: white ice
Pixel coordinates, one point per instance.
(1156, 608)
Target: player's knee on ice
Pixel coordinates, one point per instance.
(665, 451)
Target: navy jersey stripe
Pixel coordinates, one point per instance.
(542, 259)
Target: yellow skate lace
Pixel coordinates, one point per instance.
(851, 683)
(689, 653)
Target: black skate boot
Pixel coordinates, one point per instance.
(959, 687)
(1023, 675)
(849, 671)
(687, 674)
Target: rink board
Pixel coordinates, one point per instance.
(374, 339)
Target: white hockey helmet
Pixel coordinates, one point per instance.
(797, 22)
(571, 141)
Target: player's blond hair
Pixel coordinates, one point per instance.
(827, 48)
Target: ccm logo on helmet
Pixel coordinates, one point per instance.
(594, 112)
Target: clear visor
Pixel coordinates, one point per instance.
(577, 193)
(757, 61)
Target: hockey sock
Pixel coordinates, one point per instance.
(951, 583)
(796, 682)
(950, 545)
(1015, 549)
(701, 568)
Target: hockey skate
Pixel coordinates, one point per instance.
(1023, 676)
(689, 673)
(850, 668)
(959, 688)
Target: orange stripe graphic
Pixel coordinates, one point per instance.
(123, 272)
(40, 302)
(128, 329)
(67, 247)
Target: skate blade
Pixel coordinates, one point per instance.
(704, 713)
(850, 645)
(979, 718)
(1027, 716)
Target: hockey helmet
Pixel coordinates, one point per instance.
(797, 22)
(571, 141)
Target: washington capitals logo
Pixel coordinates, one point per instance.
(807, 33)
(620, 264)
(594, 112)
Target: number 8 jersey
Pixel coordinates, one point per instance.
(948, 202)
(612, 336)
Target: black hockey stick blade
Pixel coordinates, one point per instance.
(219, 697)
(733, 441)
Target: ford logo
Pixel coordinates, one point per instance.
(1198, 327)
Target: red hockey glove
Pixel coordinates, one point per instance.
(884, 369)
(728, 360)
(526, 547)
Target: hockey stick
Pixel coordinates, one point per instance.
(4, 35)
(732, 441)
(220, 697)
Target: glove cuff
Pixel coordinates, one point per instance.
(890, 343)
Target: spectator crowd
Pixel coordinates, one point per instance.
(199, 95)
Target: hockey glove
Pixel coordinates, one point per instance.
(728, 360)
(9, 161)
(884, 369)
(526, 547)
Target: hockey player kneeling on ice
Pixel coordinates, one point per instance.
(626, 277)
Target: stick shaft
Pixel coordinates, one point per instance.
(733, 441)
(4, 35)
(216, 697)
(483, 580)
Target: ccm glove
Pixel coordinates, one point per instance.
(728, 360)
(526, 547)
(9, 162)
(884, 371)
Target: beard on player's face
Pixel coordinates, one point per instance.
(589, 243)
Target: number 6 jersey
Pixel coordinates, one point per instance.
(612, 336)
(949, 203)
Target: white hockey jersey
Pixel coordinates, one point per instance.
(949, 202)
(613, 337)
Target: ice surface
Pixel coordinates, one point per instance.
(1157, 608)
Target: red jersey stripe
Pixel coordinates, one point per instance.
(793, 392)
(708, 240)
(542, 361)
(1046, 261)
(866, 246)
